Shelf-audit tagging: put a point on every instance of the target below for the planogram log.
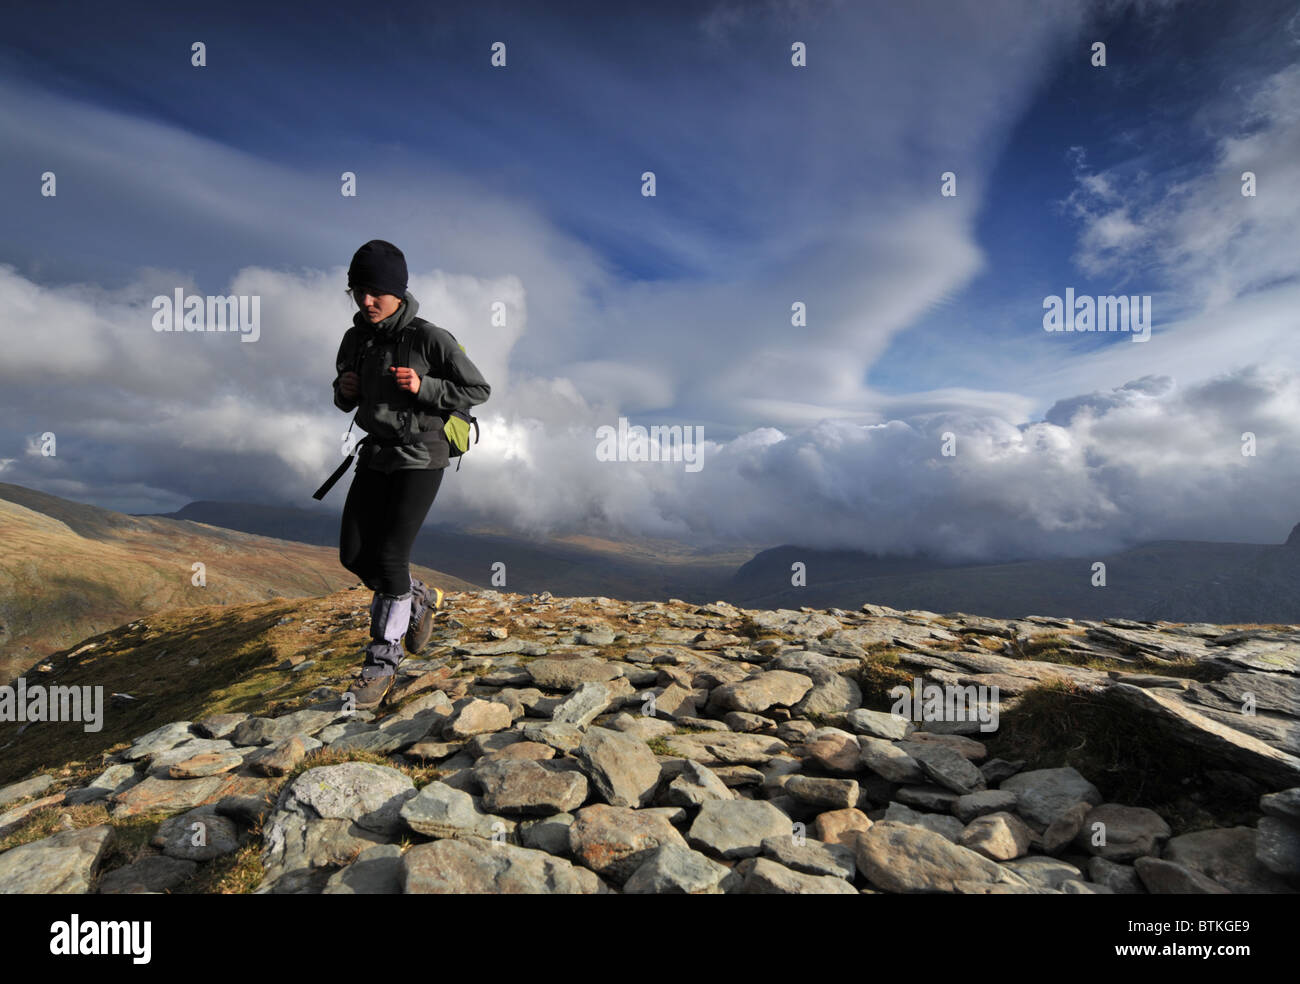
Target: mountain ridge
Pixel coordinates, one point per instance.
(548, 744)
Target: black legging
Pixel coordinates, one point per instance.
(381, 517)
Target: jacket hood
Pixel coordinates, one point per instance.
(395, 323)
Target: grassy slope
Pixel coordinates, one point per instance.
(183, 664)
(60, 584)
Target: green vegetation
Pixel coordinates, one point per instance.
(232, 874)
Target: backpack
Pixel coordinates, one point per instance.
(458, 422)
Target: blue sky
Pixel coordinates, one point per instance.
(775, 184)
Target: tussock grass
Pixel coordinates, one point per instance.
(878, 674)
(1058, 723)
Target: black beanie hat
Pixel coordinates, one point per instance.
(380, 267)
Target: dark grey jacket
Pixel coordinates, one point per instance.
(448, 381)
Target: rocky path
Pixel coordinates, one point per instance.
(587, 745)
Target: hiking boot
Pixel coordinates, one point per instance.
(371, 686)
(426, 601)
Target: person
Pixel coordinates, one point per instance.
(401, 461)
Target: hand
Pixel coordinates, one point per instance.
(349, 385)
(407, 379)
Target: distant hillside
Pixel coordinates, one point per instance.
(68, 571)
(1169, 580)
(639, 570)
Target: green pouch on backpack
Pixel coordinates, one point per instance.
(457, 431)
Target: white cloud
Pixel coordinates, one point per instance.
(798, 447)
(1211, 243)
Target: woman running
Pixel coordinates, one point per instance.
(402, 403)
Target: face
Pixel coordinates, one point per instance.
(376, 306)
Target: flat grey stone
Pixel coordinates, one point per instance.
(998, 836)
(476, 866)
(762, 691)
(160, 763)
(583, 706)
(946, 826)
(1277, 846)
(530, 787)
(878, 724)
(672, 869)
(622, 768)
(832, 693)
(694, 785)
(898, 857)
(159, 740)
(931, 798)
(569, 674)
(153, 794)
(889, 761)
(199, 765)
(155, 873)
(726, 748)
(1045, 794)
(1168, 878)
(550, 834)
(369, 795)
(1122, 833)
(439, 810)
(812, 857)
(944, 766)
(735, 829)
(1225, 855)
(28, 787)
(219, 725)
(376, 871)
(332, 733)
(63, 864)
(561, 736)
(265, 731)
(1121, 879)
(614, 841)
(984, 801)
(1284, 805)
(198, 835)
(763, 876)
(114, 779)
(823, 792)
(1044, 872)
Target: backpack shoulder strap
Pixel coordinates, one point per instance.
(404, 345)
